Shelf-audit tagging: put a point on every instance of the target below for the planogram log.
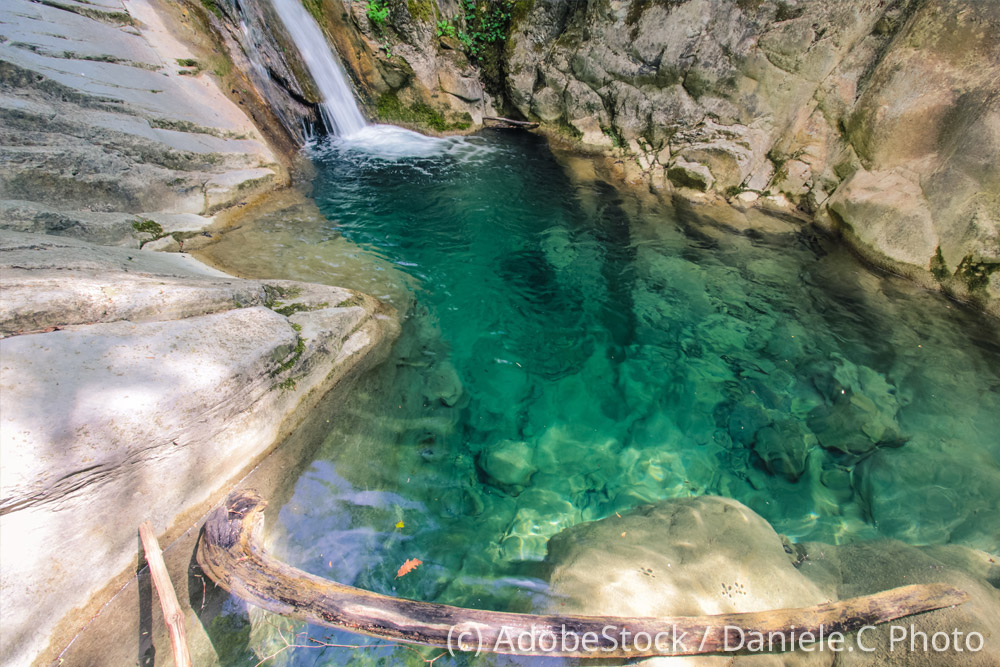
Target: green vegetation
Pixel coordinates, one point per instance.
(274, 292)
(351, 301)
(616, 139)
(939, 269)
(391, 109)
(293, 308)
(422, 10)
(287, 384)
(377, 12)
(314, 7)
(445, 29)
(300, 348)
(146, 226)
(212, 7)
(486, 25)
(194, 65)
(154, 229)
(976, 274)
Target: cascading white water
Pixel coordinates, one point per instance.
(339, 109)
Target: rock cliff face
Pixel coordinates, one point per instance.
(881, 118)
(402, 70)
(405, 71)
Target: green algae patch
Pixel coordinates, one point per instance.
(391, 109)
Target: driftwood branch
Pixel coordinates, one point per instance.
(230, 553)
(172, 614)
(509, 122)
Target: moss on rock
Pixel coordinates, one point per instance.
(391, 108)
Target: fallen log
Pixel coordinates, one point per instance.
(172, 614)
(230, 553)
(509, 122)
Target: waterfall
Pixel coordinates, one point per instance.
(340, 112)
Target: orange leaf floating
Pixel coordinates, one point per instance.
(409, 566)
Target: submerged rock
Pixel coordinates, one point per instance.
(784, 447)
(508, 462)
(711, 555)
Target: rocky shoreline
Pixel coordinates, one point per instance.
(875, 120)
(135, 384)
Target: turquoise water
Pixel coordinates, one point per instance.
(570, 351)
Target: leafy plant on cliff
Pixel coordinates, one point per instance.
(377, 12)
(486, 24)
(445, 29)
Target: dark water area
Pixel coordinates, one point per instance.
(570, 351)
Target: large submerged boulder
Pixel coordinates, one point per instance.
(136, 386)
(711, 555)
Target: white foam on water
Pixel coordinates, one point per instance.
(391, 143)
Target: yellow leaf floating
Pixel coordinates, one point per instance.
(399, 525)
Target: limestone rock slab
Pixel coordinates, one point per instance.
(150, 383)
(888, 213)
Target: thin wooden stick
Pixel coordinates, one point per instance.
(172, 614)
(231, 554)
(528, 125)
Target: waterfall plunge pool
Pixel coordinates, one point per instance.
(571, 350)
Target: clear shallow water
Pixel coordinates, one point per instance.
(570, 351)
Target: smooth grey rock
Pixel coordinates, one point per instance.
(99, 128)
(887, 212)
(105, 228)
(690, 175)
(863, 568)
(688, 556)
(153, 381)
(162, 244)
(229, 188)
(710, 555)
(509, 462)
